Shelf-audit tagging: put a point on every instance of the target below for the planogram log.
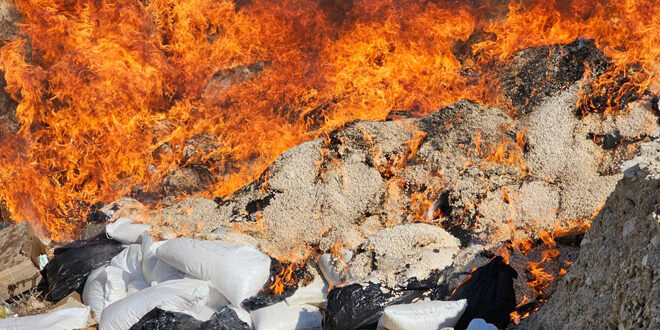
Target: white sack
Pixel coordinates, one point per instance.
(192, 297)
(94, 292)
(480, 324)
(238, 272)
(423, 315)
(114, 282)
(284, 317)
(115, 286)
(69, 318)
(154, 270)
(316, 293)
(125, 231)
(130, 262)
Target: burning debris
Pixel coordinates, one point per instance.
(368, 171)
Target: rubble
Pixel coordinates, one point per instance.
(614, 282)
(419, 249)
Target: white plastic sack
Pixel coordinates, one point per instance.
(192, 297)
(130, 261)
(480, 324)
(239, 272)
(104, 286)
(94, 292)
(154, 270)
(125, 231)
(423, 315)
(284, 317)
(316, 293)
(69, 318)
(115, 286)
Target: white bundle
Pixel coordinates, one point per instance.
(281, 316)
(423, 315)
(69, 318)
(480, 324)
(154, 270)
(125, 231)
(189, 296)
(238, 272)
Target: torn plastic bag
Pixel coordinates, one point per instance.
(189, 296)
(68, 270)
(480, 324)
(489, 293)
(284, 317)
(423, 315)
(158, 319)
(126, 231)
(69, 318)
(239, 272)
(355, 306)
(154, 270)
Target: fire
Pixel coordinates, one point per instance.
(287, 277)
(102, 85)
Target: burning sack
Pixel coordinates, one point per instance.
(68, 270)
(423, 315)
(238, 272)
(69, 318)
(489, 293)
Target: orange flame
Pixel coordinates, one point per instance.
(102, 85)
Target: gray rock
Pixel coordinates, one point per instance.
(615, 281)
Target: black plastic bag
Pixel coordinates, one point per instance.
(354, 306)
(68, 270)
(489, 293)
(359, 307)
(158, 319)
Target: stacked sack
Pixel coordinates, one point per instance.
(181, 275)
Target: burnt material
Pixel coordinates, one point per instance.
(266, 296)
(537, 73)
(68, 270)
(489, 293)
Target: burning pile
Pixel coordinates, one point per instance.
(368, 157)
